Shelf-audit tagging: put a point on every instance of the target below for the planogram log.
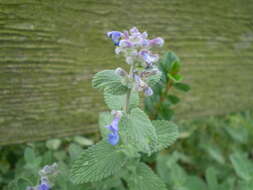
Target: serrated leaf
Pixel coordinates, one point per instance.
(145, 179)
(167, 133)
(116, 102)
(97, 162)
(105, 118)
(153, 79)
(138, 131)
(110, 82)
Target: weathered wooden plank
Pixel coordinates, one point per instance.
(49, 51)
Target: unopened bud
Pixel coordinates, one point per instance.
(121, 72)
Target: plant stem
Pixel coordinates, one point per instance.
(131, 74)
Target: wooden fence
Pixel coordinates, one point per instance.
(50, 49)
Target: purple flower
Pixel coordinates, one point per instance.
(125, 44)
(126, 35)
(115, 36)
(156, 42)
(139, 83)
(148, 91)
(113, 137)
(148, 57)
(134, 30)
(43, 186)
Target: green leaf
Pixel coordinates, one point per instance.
(83, 141)
(243, 167)
(168, 60)
(195, 183)
(177, 174)
(167, 133)
(182, 86)
(53, 144)
(29, 155)
(105, 118)
(138, 131)
(176, 66)
(116, 102)
(145, 179)
(211, 179)
(173, 99)
(97, 162)
(110, 82)
(74, 151)
(175, 77)
(153, 79)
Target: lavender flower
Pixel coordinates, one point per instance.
(43, 186)
(45, 173)
(135, 46)
(140, 85)
(148, 57)
(148, 91)
(113, 137)
(115, 36)
(156, 42)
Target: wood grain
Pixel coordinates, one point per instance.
(50, 49)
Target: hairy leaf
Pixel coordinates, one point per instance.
(137, 130)
(97, 162)
(153, 79)
(145, 179)
(116, 102)
(105, 118)
(167, 133)
(110, 82)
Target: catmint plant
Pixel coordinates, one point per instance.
(47, 172)
(127, 132)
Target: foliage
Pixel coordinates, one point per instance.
(160, 105)
(188, 164)
(129, 132)
(210, 156)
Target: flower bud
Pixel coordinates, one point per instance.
(156, 42)
(134, 30)
(121, 72)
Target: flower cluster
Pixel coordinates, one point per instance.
(113, 137)
(136, 48)
(45, 173)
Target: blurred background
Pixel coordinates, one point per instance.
(50, 49)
